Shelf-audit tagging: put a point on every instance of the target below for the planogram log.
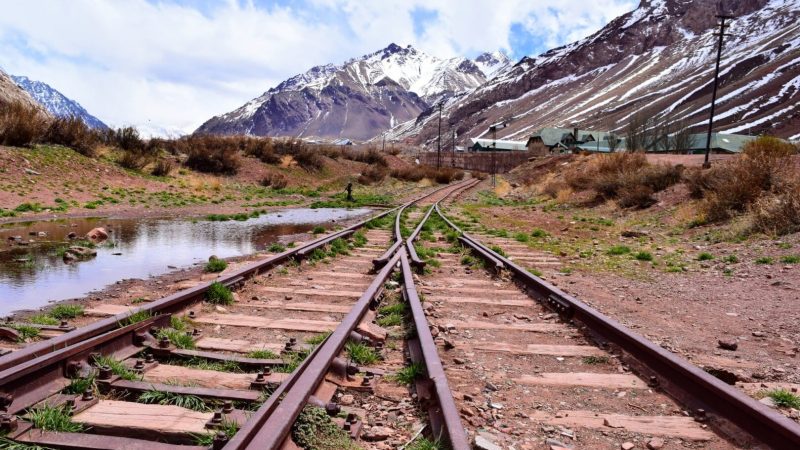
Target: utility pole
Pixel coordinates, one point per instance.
(439, 142)
(493, 128)
(453, 153)
(721, 34)
(383, 147)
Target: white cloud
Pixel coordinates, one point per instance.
(165, 65)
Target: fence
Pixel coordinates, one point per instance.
(480, 161)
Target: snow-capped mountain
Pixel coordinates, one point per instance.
(10, 92)
(57, 103)
(360, 98)
(657, 60)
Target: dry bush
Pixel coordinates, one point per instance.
(331, 151)
(627, 177)
(394, 151)
(779, 214)
(263, 149)
(369, 156)
(635, 196)
(74, 133)
(447, 175)
(21, 125)
(763, 168)
(410, 173)
(417, 173)
(128, 139)
(309, 160)
(275, 180)
(134, 160)
(163, 167)
(373, 174)
(212, 154)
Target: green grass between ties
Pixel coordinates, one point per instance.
(215, 265)
(53, 418)
(157, 397)
(218, 294)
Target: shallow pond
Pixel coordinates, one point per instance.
(32, 276)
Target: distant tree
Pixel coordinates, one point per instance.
(681, 138)
(637, 133)
(613, 142)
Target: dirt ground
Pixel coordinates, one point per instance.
(686, 289)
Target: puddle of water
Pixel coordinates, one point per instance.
(147, 247)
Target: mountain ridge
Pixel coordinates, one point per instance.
(56, 103)
(360, 98)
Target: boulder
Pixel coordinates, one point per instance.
(78, 252)
(97, 234)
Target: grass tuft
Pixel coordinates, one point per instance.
(53, 418)
(784, 398)
(218, 294)
(117, 367)
(619, 250)
(155, 397)
(263, 354)
(705, 256)
(314, 429)
(408, 374)
(63, 312)
(643, 256)
(215, 265)
(361, 354)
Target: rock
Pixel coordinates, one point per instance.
(346, 400)
(377, 434)
(769, 402)
(220, 309)
(655, 443)
(31, 172)
(72, 235)
(490, 386)
(483, 443)
(627, 445)
(759, 334)
(727, 344)
(78, 252)
(97, 234)
(41, 234)
(556, 444)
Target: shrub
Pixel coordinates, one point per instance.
(636, 196)
(263, 149)
(764, 260)
(319, 229)
(216, 265)
(275, 180)
(705, 256)
(212, 154)
(762, 168)
(790, 259)
(416, 173)
(644, 256)
(619, 250)
(370, 156)
(74, 133)
(163, 167)
(133, 159)
(308, 159)
(778, 214)
(21, 124)
(128, 139)
(372, 174)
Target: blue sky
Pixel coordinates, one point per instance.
(168, 65)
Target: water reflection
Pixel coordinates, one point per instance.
(31, 276)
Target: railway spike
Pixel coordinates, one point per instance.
(227, 407)
(88, 394)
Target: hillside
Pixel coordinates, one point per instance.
(57, 103)
(10, 92)
(655, 60)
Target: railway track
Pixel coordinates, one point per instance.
(217, 364)
(398, 332)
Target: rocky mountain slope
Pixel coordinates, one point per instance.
(360, 98)
(57, 103)
(10, 92)
(655, 60)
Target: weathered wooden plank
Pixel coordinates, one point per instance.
(163, 419)
(300, 306)
(343, 274)
(456, 281)
(325, 391)
(493, 291)
(235, 345)
(537, 349)
(673, 426)
(319, 292)
(529, 327)
(106, 309)
(241, 320)
(599, 380)
(721, 361)
(165, 373)
(454, 298)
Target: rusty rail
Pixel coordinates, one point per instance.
(681, 378)
(169, 303)
(278, 425)
(444, 407)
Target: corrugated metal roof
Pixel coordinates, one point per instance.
(500, 144)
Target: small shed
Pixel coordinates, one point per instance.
(487, 145)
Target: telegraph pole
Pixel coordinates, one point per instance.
(383, 147)
(453, 153)
(439, 142)
(721, 34)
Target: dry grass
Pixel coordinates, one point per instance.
(625, 177)
(21, 125)
(764, 169)
(417, 173)
(212, 154)
(275, 180)
(373, 174)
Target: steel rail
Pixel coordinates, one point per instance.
(170, 303)
(277, 427)
(446, 405)
(727, 402)
(383, 259)
(412, 252)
